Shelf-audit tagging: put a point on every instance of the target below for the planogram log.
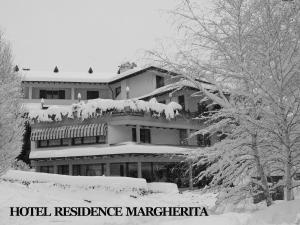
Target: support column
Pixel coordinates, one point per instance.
(55, 169)
(107, 171)
(138, 136)
(188, 133)
(70, 169)
(30, 93)
(190, 176)
(139, 169)
(73, 93)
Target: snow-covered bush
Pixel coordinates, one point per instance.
(20, 165)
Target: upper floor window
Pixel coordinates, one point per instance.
(160, 81)
(145, 135)
(117, 91)
(181, 101)
(53, 94)
(92, 95)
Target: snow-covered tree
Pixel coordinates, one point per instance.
(251, 50)
(11, 122)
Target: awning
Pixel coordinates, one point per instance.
(86, 130)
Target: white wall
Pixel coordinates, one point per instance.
(118, 134)
(164, 136)
(139, 85)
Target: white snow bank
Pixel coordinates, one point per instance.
(98, 107)
(116, 184)
(159, 187)
(94, 150)
(280, 213)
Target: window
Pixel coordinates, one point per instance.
(47, 169)
(72, 141)
(77, 141)
(203, 140)
(92, 94)
(89, 140)
(53, 94)
(160, 81)
(181, 101)
(162, 101)
(131, 169)
(183, 137)
(89, 169)
(63, 169)
(56, 142)
(145, 135)
(133, 134)
(117, 91)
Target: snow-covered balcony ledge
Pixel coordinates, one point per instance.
(149, 120)
(98, 108)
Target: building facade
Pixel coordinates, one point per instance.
(91, 124)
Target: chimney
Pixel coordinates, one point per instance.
(16, 68)
(56, 69)
(90, 70)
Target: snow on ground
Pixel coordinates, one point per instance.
(50, 195)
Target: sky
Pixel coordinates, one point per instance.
(77, 34)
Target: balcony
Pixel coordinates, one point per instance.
(150, 119)
(51, 101)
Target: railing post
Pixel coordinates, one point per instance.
(139, 169)
(138, 136)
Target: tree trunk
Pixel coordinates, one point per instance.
(288, 173)
(260, 171)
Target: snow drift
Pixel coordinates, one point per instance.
(115, 184)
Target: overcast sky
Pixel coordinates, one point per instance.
(76, 34)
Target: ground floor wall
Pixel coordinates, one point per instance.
(152, 168)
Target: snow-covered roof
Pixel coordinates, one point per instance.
(176, 87)
(84, 77)
(98, 150)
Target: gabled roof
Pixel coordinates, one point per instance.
(176, 87)
(85, 77)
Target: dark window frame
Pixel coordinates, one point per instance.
(160, 81)
(49, 94)
(145, 135)
(92, 95)
(117, 91)
(181, 101)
